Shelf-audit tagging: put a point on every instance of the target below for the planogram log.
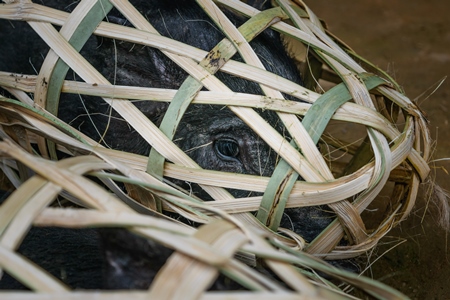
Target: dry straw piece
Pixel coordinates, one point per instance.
(347, 173)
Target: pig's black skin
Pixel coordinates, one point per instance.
(106, 258)
(221, 140)
(132, 262)
(74, 256)
(203, 126)
(112, 259)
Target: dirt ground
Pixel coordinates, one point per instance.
(411, 40)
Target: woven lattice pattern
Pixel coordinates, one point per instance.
(319, 165)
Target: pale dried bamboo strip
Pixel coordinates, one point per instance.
(250, 278)
(142, 295)
(301, 188)
(372, 240)
(17, 228)
(20, 95)
(344, 58)
(376, 289)
(33, 276)
(412, 194)
(182, 277)
(286, 271)
(11, 208)
(43, 127)
(79, 218)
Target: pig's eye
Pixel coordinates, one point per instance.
(227, 149)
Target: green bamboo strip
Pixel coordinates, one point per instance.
(84, 29)
(315, 121)
(77, 31)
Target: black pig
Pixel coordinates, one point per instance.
(221, 141)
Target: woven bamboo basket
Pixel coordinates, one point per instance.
(346, 172)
